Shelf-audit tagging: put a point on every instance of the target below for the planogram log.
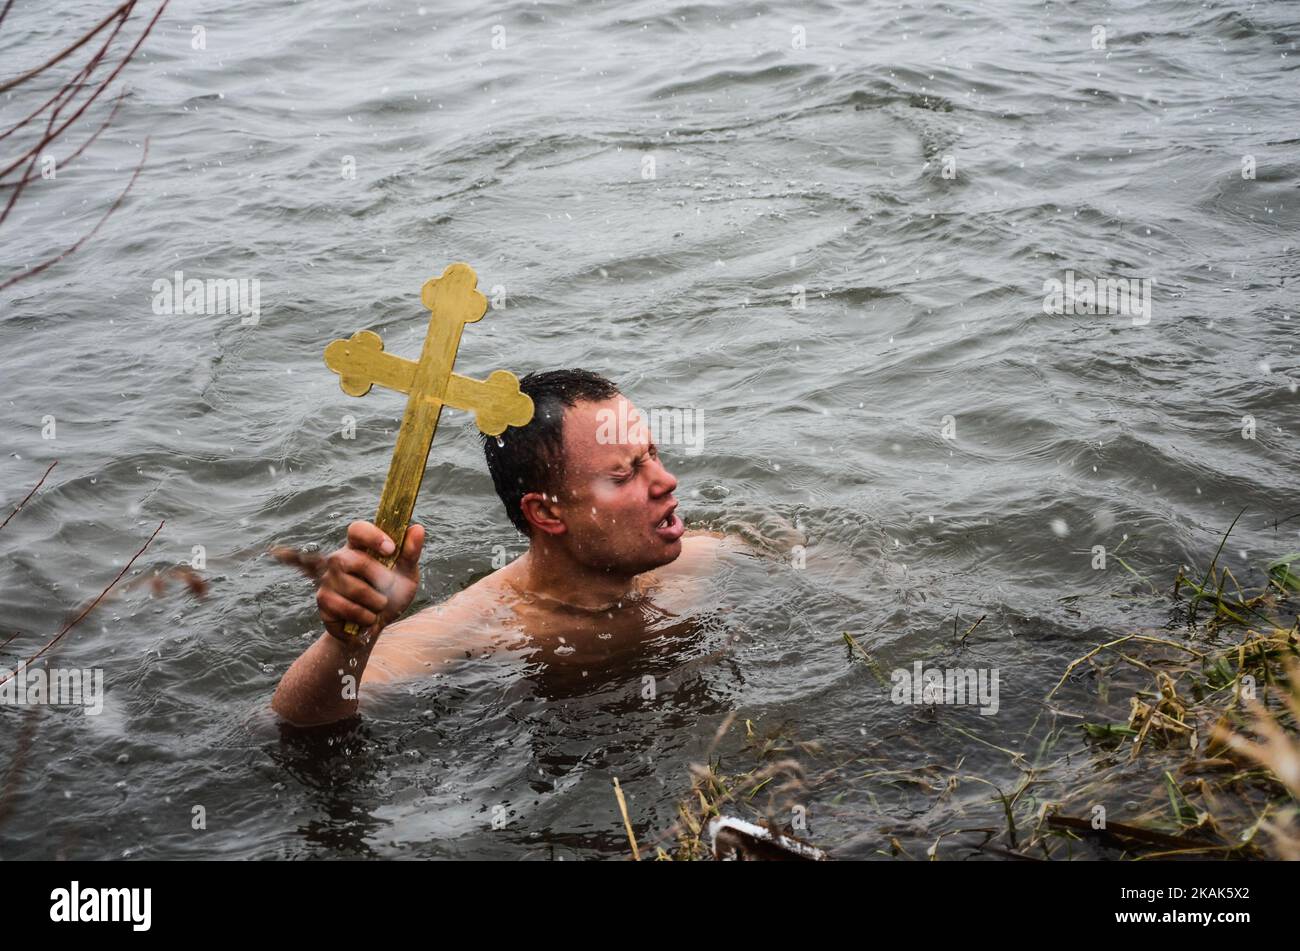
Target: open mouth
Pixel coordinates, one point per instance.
(670, 527)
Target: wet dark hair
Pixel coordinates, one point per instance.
(531, 458)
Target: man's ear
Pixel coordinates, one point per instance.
(543, 513)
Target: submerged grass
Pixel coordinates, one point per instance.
(771, 794)
(1212, 790)
(1205, 763)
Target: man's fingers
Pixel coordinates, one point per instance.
(334, 605)
(359, 592)
(370, 537)
(353, 562)
(411, 545)
(357, 587)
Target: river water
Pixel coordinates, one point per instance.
(825, 230)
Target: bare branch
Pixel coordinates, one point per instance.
(75, 81)
(29, 494)
(57, 258)
(122, 11)
(68, 98)
(73, 623)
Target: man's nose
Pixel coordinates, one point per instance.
(664, 482)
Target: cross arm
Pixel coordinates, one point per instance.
(361, 362)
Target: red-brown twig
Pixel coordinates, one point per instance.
(67, 87)
(157, 582)
(85, 237)
(65, 162)
(29, 494)
(55, 133)
(63, 99)
(123, 9)
(71, 624)
(67, 94)
(310, 563)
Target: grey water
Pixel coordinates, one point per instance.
(825, 229)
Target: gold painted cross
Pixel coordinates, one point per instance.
(453, 301)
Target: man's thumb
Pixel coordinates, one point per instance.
(412, 544)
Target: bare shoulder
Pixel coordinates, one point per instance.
(701, 549)
(704, 542)
(466, 625)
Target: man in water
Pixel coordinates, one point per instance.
(607, 557)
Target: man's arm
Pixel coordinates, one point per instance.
(322, 685)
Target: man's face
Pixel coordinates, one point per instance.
(617, 503)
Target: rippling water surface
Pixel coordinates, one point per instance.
(774, 168)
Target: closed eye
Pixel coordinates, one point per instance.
(637, 463)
